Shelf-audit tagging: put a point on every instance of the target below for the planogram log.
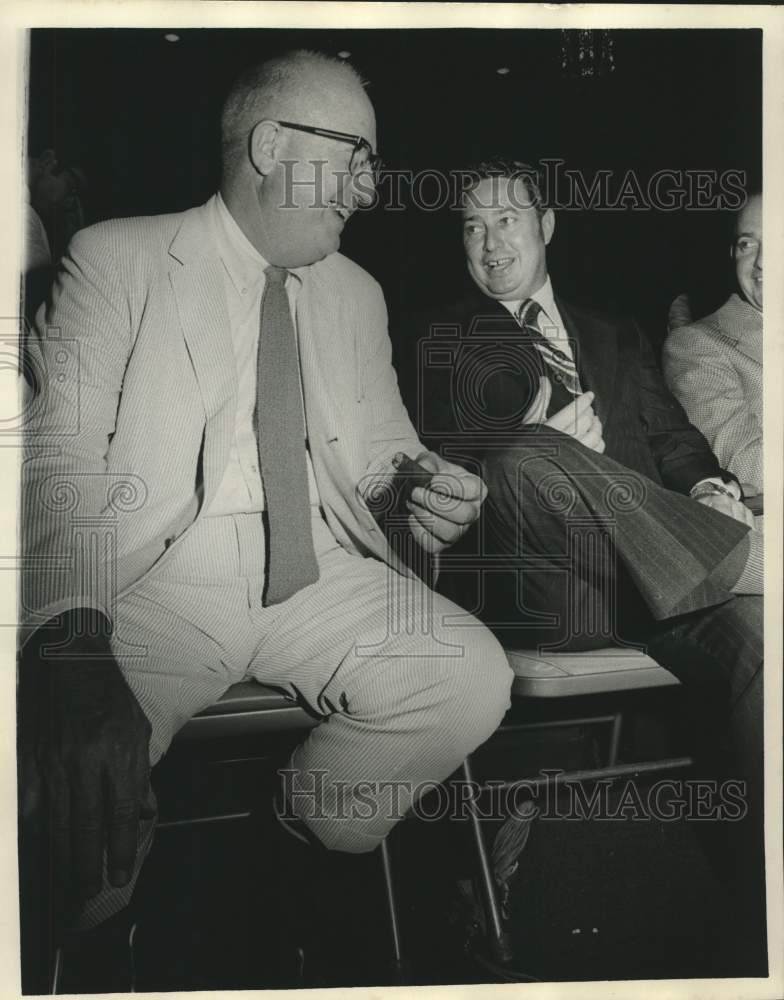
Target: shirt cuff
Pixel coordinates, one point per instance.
(730, 485)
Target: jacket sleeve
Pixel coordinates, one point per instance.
(700, 373)
(389, 427)
(75, 358)
(682, 455)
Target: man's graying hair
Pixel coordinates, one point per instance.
(271, 89)
(503, 166)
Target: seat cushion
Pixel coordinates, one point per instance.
(246, 708)
(558, 675)
(249, 707)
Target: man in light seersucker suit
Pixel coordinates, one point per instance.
(714, 366)
(159, 515)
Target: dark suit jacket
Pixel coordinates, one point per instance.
(474, 387)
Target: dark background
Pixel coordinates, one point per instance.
(140, 115)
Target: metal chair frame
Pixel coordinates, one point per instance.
(249, 708)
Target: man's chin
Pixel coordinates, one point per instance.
(502, 291)
(331, 243)
(752, 295)
(505, 287)
(314, 255)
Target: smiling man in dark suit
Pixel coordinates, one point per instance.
(608, 519)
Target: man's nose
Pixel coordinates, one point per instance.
(491, 240)
(363, 187)
(758, 258)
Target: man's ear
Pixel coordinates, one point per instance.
(264, 146)
(547, 223)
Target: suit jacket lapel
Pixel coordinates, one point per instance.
(751, 346)
(742, 323)
(200, 296)
(595, 346)
(201, 304)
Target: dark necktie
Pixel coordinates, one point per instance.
(280, 436)
(561, 368)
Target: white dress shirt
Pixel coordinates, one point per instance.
(241, 490)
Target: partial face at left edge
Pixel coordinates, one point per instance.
(747, 251)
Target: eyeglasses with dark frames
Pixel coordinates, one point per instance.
(362, 155)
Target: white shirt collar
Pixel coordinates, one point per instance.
(544, 296)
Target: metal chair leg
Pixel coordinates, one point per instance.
(394, 923)
(615, 739)
(498, 939)
(54, 987)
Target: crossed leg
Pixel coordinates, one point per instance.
(404, 693)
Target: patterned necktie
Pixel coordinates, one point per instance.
(562, 369)
(280, 436)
